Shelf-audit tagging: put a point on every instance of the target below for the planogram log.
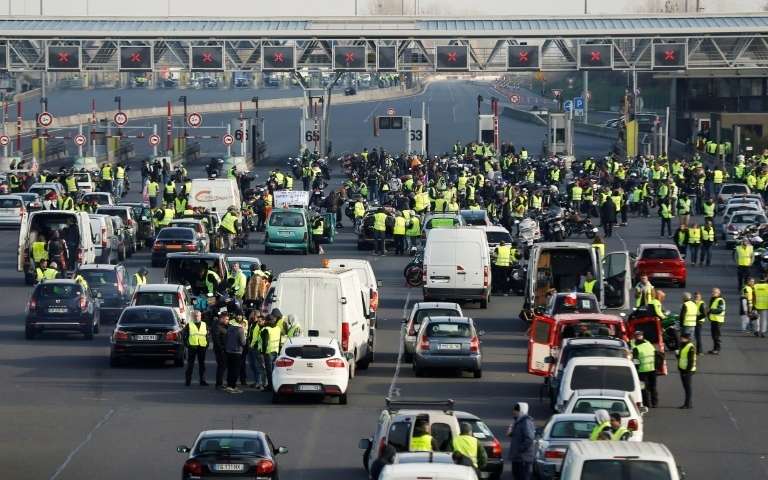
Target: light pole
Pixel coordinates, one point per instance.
(119, 102)
(183, 100)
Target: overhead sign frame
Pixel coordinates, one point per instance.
(395, 58)
(59, 51)
(342, 59)
(147, 49)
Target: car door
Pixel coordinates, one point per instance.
(617, 280)
(653, 332)
(542, 334)
(23, 232)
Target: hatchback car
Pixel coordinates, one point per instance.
(613, 401)
(231, 454)
(728, 190)
(173, 296)
(32, 201)
(63, 306)
(201, 234)
(13, 211)
(738, 222)
(131, 227)
(84, 181)
(738, 203)
(312, 366)
(661, 262)
(553, 440)
(448, 342)
(147, 332)
(419, 312)
(110, 284)
(172, 240)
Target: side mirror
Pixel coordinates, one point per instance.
(364, 443)
(281, 450)
(182, 449)
(643, 410)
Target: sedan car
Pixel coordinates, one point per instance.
(200, 231)
(64, 306)
(419, 312)
(552, 441)
(172, 240)
(231, 454)
(110, 284)
(147, 332)
(313, 366)
(613, 401)
(448, 342)
(13, 211)
(738, 222)
(660, 262)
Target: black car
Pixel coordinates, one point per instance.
(143, 216)
(492, 446)
(63, 306)
(110, 284)
(231, 454)
(350, 91)
(147, 332)
(172, 240)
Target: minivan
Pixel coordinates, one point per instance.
(105, 240)
(457, 266)
(603, 373)
(619, 461)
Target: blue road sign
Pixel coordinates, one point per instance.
(567, 106)
(578, 103)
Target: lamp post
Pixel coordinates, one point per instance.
(119, 102)
(183, 100)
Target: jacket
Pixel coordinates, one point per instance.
(521, 437)
(235, 339)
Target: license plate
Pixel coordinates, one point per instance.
(145, 337)
(309, 388)
(662, 274)
(173, 247)
(284, 234)
(229, 467)
(57, 310)
(450, 346)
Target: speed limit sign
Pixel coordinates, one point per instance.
(80, 139)
(120, 119)
(228, 139)
(154, 139)
(45, 119)
(194, 120)
(4, 140)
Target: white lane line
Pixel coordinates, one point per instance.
(82, 444)
(393, 386)
(376, 107)
(623, 243)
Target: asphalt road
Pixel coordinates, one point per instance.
(67, 415)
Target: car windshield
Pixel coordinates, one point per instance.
(496, 237)
(424, 457)
(231, 445)
(10, 203)
(176, 233)
(611, 377)
(286, 219)
(97, 278)
(625, 469)
(590, 405)
(310, 352)
(479, 429)
(572, 429)
(442, 223)
(146, 316)
(158, 299)
(733, 189)
(434, 312)
(590, 328)
(660, 254)
(59, 291)
(115, 212)
(474, 218)
(448, 330)
(140, 211)
(748, 218)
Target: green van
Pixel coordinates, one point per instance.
(290, 229)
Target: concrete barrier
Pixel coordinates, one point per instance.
(523, 116)
(596, 130)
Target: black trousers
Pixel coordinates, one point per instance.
(233, 368)
(743, 274)
(399, 244)
(697, 336)
(686, 378)
(243, 369)
(608, 229)
(715, 330)
(650, 394)
(666, 222)
(221, 365)
(195, 353)
(522, 470)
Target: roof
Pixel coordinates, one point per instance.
(445, 318)
(657, 245)
(254, 433)
(559, 417)
(316, 272)
(410, 470)
(158, 287)
(313, 340)
(59, 281)
(577, 317)
(599, 392)
(425, 305)
(243, 259)
(646, 450)
(98, 266)
(192, 255)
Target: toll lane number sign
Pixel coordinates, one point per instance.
(417, 135)
(312, 136)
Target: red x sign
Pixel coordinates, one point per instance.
(349, 57)
(207, 57)
(669, 55)
(63, 57)
(278, 57)
(522, 57)
(135, 57)
(452, 57)
(595, 56)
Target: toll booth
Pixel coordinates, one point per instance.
(486, 129)
(559, 137)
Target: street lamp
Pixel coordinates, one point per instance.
(255, 101)
(183, 100)
(119, 102)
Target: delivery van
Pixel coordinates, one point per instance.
(217, 195)
(457, 266)
(329, 302)
(73, 227)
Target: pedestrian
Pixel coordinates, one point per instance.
(644, 358)
(608, 217)
(196, 338)
(219, 337)
(716, 315)
(234, 349)
(761, 306)
(618, 432)
(380, 231)
(694, 242)
(701, 317)
(707, 241)
(398, 233)
(688, 314)
(746, 307)
(270, 344)
(602, 424)
(522, 434)
(467, 445)
(255, 356)
(502, 258)
(745, 256)
(686, 364)
(644, 292)
(665, 212)
(681, 239)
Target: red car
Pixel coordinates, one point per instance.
(661, 262)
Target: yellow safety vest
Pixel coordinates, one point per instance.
(620, 432)
(467, 446)
(646, 356)
(761, 296)
(684, 206)
(717, 176)
(208, 283)
(399, 228)
(139, 279)
(240, 283)
(694, 236)
(318, 230)
(748, 293)
(415, 229)
(708, 234)
(50, 273)
(600, 247)
(71, 184)
(256, 337)
(120, 175)
(595, 434)
(359, 210)
(744, 255)
(717, 317)
(576, 193)
(690, 314)
(666, 211)
(273, 344)
(152, 188)
(198, 336)
(709, 209)
(106, 172)
(228, 223)
(168, 215)
(589, 286)
(39, 252)
(682, 362)
(503, 255)
(422, 443)
(380, 221)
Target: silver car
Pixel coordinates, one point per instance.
(553, 440)
(419, 312)
(448, 342)
(740, 220)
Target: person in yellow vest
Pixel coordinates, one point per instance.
(468, 446)
(271, 337)
(51, 272)
(618, 432)
(747, 307)
(66, 202)
(421, 440)
(588, 283)
(140, 277)
(81, 281)
(39, 250)
(71, 183)
(413, 232)
(716, 316)
(153, 188)
(761, 306)
(119, 180)
(358, 211)
(169, 192)
(502, 260)
(598, 244)
(686, 365)
(257, 324)
(603, 421)
(211, 279)
(745, 256)
(106, 178)
(228, 228)
(380, 231)
(707, 241)
(701, 317)
(196, 338)
(694, 242)
(576, 194)
(398, 233)
(688, 314)
(665, 212)
(656, 305)
(684, 210)
(318, 227)
(180, 204)
(644, 292)
(644, 358)
(40, 269)
(239, 281)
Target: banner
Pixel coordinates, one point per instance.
(290, 198)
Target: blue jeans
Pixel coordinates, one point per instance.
(256, 363)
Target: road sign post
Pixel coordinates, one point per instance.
(194, 120)
(120, 119)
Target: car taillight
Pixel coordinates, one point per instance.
(382, 446)
(486, 277)
(554, 453)
(103, 237)
(32, 306)
(374, 300)
(158, 246)
(335, 363)
(83, 303)
(496, 449)
(632, 425)
(265, 467)
(345, 336)
(423, 343)
(172, 336)
(181, 302)
(474, 344)
(283, 362)
(120, 335)
(191, 247)
(193, 467)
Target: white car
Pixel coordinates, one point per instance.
(427, 471)
(165, 295)
(310, 366)
(644, 460)
(85, 182)
(12, 210)
(613, 401)
(553, 440)
(603, 373)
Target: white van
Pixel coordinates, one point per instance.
(427, 471)
(217, 195)
(105, 241)
(364, 273)
(599, 373)
(332, 302)
(457, 266)
(619, 461)
(44, 223)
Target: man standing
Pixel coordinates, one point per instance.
(196, 335)
(644, 292)
(467, 445)
(521, 437)
(694, 241)
(716, 317)
(745, 255)
(761, 305)
(140, 277)
(234, 348)
(707, 240)
(665, 212)
(219, 337)
(239, 281)
(644, 358)
(747, 305)
(398, 233)
(502, 255)
(686, 364)
(270, 344)
(688, 315)
(380, 230)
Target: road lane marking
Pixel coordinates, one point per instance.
(376, 107)
(393, 390)
(82, 444)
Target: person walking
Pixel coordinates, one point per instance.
(707, 241)
(681, 239)
(701, 317)
(747, 312)
(716, 315)
(694, 242)
(219, 337)
(196, 337)
(644, 358)
(255, 357)
(234, 348)
(688, 314)
(745, 256)
(502, 258)
(398, 233)
(270, 344)
(522, 434)
(686, 364)
(608, 217)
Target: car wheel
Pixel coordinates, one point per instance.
(114, 361)
(276, 398)
(29, 333)
(343, 399)
(484, 301)
(477, 373)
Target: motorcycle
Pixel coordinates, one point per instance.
(552, 223)
(518, 277)
(414, 271)
(575, 224)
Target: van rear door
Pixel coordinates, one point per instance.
(442, 270)
(469, 260)
(23, 233)
(617, 280)
(542, 334)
